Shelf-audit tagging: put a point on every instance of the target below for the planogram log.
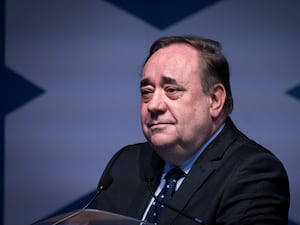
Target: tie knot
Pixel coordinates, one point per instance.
(174, 174)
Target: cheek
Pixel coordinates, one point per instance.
(195, 113)
(143, 110)
(143, 117)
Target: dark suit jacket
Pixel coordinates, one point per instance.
(234, 181)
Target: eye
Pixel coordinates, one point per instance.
(174, 92)
(146, 93)
(171, 90)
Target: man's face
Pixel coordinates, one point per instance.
(175, 113)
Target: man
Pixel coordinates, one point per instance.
(185, 105)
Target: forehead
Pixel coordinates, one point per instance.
(177, 61)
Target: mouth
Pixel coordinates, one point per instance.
(157, 124)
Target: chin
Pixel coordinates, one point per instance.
(161, 140)
(161, 143)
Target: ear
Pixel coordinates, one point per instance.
(217, 100)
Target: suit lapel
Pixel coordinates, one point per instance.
(192, 182)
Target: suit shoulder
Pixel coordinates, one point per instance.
(249, 147)
(132, 152)
(134, 148)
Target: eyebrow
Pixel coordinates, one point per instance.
(168, 80)
(145, 82)
(164, 80)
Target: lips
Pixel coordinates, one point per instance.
(157, 123)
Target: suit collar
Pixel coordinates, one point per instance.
(218, 147)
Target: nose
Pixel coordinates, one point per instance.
(157, 104)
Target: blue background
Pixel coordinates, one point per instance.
(69, 88)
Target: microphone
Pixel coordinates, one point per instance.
(149, 175)
(103, 184)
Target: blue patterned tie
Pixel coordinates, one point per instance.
(165, 195)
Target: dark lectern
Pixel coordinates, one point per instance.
(91, 217)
